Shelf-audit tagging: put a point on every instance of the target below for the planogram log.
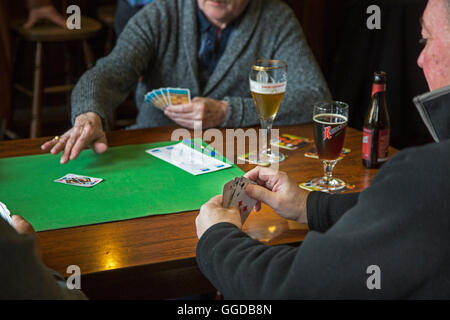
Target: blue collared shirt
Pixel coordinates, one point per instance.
(138, 3)
(210, 49)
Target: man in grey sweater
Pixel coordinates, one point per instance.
(206, 46)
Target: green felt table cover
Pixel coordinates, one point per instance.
(135, 184)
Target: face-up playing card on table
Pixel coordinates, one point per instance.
(234, 196)
(80, 181)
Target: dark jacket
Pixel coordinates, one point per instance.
(400, 225)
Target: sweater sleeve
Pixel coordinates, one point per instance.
(305, 82)
(22, 273)
(395, 223)
(324, 209)
(102, 88)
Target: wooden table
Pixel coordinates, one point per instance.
(154, 257)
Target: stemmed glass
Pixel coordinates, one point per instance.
(268, 80)
(330, 123)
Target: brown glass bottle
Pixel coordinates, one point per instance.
(376, 130)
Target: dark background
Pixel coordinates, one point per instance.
(347, 51)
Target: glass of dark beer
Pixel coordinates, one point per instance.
(330, 123)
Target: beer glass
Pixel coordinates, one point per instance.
(268, 79)
(330, 120)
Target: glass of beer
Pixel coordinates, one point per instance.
(330, 120)
(268, 79)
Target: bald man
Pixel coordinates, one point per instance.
(391, 241)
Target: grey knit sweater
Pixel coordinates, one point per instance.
(161, 43)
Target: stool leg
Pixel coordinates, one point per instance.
(37, 93)
(88, 55)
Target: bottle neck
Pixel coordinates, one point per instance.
(378, 87)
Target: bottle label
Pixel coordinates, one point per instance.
(378, 88)
(366, 143)
(383, 144)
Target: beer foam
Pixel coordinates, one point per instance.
(333, 115)
(267, 88)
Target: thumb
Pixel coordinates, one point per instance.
(21, 225)
(261, 194)
(100, 145)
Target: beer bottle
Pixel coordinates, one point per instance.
(376, 125)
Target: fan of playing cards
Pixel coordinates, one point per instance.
(164, 97)
(235, 196)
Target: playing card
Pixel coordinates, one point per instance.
(179, 96)
(5, 214)
(227, 193)
(234, 196)
(77, 180)
(290, 142)
(241, 200)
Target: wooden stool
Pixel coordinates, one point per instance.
(47, 32)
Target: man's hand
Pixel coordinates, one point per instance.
(211, 112)
(87, 131)
(278, 191)
(212, 213)
(24, 227)
(44, 12)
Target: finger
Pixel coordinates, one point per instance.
(184, 123)
(68, 149)
(21, 225)
(215, 201)
(180, 108)
(49, 144)
(100, 145)
(59, 146)
(82, 142)
(263, 176)
(185, 116)
(262, 194)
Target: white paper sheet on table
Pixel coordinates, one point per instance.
(188, 159)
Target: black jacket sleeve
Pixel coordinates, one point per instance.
(325, 209)
(399, 224)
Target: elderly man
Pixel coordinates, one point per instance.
(206, 46)
(398, 228)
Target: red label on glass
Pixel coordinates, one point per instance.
(378, 88)
(366, 143)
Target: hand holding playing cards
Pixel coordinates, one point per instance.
(211, 112)
(280, 192)
(87, 131)
(212, 213)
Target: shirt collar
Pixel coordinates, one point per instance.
(204, 24)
